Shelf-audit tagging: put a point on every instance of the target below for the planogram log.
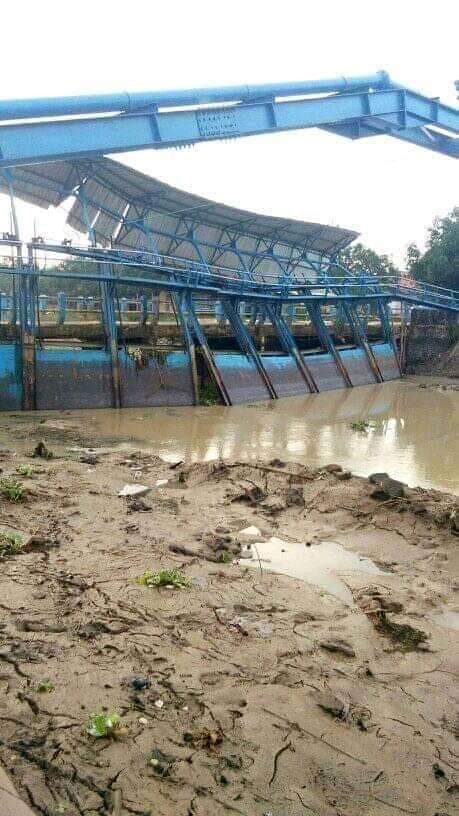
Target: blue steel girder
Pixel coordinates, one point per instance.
(400, 112)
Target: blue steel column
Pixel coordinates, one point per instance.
(246, 343)
(326, 341)
(289, 345)
(107, 289)
(361, 339)
(182, 305)
(27, 323)
(196, 329)
(27, 289)
(388, 331)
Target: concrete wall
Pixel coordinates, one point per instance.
(432, 338)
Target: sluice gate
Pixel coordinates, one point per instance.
(153, 244)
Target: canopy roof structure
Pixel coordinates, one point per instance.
(129, 209)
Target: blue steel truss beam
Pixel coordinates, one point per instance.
(387, 110)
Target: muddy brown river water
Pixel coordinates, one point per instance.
(413, 435)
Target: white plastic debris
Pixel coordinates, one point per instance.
(160, 482)
(134, 490)
(246, 551)
(159, 703)
(251, 531)
(143, 721)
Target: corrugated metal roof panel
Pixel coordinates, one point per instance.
(110, 187)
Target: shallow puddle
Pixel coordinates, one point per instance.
(320, 564)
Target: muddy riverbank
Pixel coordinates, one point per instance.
(239, 691)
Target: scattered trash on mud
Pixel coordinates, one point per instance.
(226, 687)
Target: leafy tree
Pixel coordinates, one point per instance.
(361, 260)
(439, 264)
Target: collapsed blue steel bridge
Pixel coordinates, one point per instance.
(144, 234)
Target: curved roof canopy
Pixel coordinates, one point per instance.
(133, 210)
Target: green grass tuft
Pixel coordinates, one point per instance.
(164, 577)
(11, 488)
(103, 725)
(24, 470)
(10, 543)
(45, 687)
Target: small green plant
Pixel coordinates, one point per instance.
(11, 488)
(103, 725)
(361, 426)
(225, 557)
(10, 543)
(208, 394)
(24, 470)
(45, 687)
(164, 577)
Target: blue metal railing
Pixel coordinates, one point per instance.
(172, 272)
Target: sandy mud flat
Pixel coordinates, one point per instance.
(228, 689)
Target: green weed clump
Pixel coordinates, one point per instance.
(10, 543)
(164, 577)
(45, 687)
(24, 470)
(209, 395)
(11, 488)
(103, 725)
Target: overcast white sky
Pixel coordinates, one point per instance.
(387, 190)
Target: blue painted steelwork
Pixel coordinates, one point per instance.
(271, 263)
(357, 108)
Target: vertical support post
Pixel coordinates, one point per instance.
(195, 327)
(327, 343)
(27, 320)
(107, 289)
(182, 305)
(361, 339)
(388, 331)
(289, 345)
(155, 309)
(27, 294)
(246, 343)
(61, 308)
(143, 314)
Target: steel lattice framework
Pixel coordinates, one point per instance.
(143, 232)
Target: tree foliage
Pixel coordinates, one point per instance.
(439, 264)
(361, 260)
